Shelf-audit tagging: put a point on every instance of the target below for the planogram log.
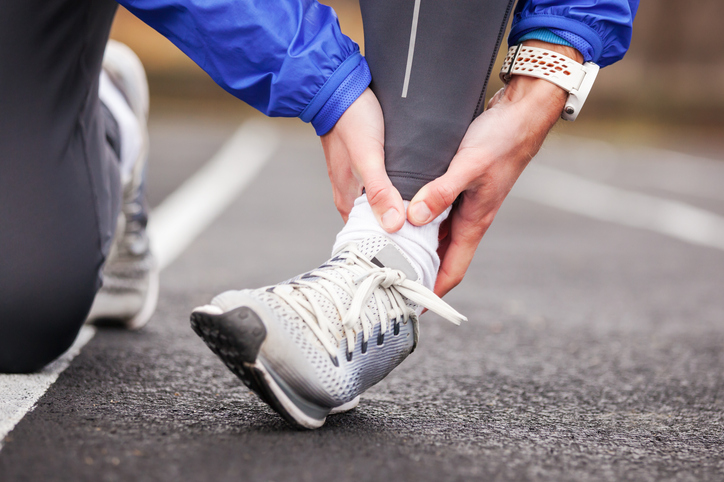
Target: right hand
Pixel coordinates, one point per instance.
(494, 151)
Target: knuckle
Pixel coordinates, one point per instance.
(471, 237)
(444, 195)
(452, 279)
(377, 192)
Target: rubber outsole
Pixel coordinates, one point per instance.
(149, 304)
(223, 339)
(106, 318)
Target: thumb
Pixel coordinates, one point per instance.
(435, 197)
(383, 197)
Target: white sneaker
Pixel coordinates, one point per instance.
(311, 345)
(130, 276)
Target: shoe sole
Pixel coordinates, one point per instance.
(103, 316)
(222, 334)
(149, 304)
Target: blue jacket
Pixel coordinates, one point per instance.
(289, 57)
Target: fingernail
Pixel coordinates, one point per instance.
(390, 218)
(421, 213)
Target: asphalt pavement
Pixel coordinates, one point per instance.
(594, 351)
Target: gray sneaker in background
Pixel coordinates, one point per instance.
(130, 276)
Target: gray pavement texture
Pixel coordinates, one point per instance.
(593, 352)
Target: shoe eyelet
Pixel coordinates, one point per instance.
(349, 356)
(364, 346)
(335, 362)
(380, 339)
(397, 328)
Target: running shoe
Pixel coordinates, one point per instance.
(130, 276)
(311, 345)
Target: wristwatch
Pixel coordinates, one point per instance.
(576, 79)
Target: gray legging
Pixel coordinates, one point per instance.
(59, 182)
(430, 63)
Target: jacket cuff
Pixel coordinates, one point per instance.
(579, 35)
(544, 35)
(348, 91)
(560, 37)
(339, 91)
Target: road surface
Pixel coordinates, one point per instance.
(594, 349)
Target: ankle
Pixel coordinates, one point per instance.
(419, 243)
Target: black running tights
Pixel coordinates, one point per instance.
(59, 182)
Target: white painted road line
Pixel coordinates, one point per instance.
(20, 392)
(174, 224)
(192, 207)
(636, 167)
(568, 192)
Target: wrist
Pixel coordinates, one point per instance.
(549, 74)
(527, 85)
(521, 86)
(536, 95)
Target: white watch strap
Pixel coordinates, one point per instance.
(574, 78)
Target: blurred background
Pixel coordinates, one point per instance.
(667, 92)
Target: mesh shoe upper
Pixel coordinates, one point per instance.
(336, 331)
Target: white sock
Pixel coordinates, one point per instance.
(128, 125)
(418, 242)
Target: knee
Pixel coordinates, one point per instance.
(33, 335)
(40, 315)
(31, 355)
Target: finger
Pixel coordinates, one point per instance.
(383, 197)
(346, 188)
(442, 248)
(444, 230)
(436, 196)
(344, 202)
(465, 235)
(453, 267)
(496, 98)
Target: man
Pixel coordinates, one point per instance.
(311, 345)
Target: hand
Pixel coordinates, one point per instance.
(355, 154)
(496, 148)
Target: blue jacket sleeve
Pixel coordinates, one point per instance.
(284, 57)
(600, 29)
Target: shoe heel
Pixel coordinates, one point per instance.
(235, 336)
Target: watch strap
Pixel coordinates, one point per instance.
(576, 79)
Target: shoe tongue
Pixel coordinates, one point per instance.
(391, 257)
(383, 252)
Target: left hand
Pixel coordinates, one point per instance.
(355, 153)
(496, 148)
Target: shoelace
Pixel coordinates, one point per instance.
(360, 279)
